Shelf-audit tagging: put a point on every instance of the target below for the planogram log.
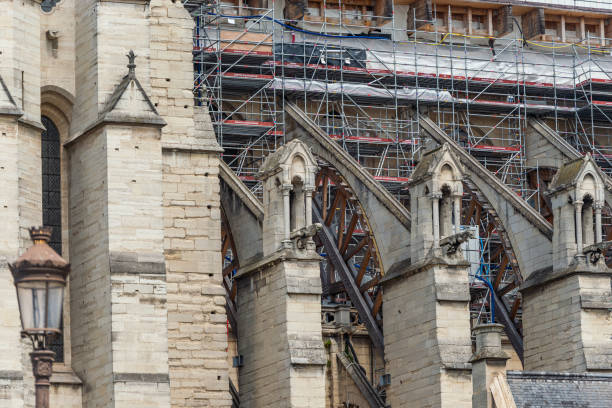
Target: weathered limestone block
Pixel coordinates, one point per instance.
(279, 335)
(567, 323)
(197, 331)
(427, 335)
(65, 391)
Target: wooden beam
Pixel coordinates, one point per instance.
(225, 246)
(228, 269)
(506, 289)
(325, 184)
(332, 209)
(363, 267)
(342, 220)
(349, 233)
(377, 303)
(515, 307)
(501, 272)
(471, 209)
(490, 227)
(497, 253)
(369, 284)
(357, 248)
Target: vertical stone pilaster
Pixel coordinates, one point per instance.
(20, 181)
(12, 371)
(427, 335)
(118, 291)
(279, 335)
(197, 331)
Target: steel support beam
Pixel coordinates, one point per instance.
(502, 314)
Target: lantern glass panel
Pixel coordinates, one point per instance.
(32, 304)
(56, 298)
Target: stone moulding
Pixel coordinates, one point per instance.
(11, 375)
(132, 263)
(141, 377)
(405, 269)
(546, 275)
(276, 258)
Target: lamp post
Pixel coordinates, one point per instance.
(40, 278)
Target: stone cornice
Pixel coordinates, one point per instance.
(141, 377)
(547, 275)
(36, 124)
(404, 269)
(276, 258)
(129, 121)
(197, 147)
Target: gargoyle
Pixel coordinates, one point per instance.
(453, 242)
(305, 234)
(595, 252)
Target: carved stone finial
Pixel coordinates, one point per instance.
(131, 65)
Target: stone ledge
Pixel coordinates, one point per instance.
(588, 301)
(10, 111)
(36, 124)
(198, 146)
(450, 292)
(11, 375)
(276, 258)
(405, 269)
(65, 376)
(457, 366)
(547, 275)
(130, 263)
(135, 121)
(141, 377)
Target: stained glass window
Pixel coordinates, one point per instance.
(52, 202)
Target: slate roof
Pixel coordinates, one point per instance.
(565, 390)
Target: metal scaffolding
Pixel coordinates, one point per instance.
(362, 78)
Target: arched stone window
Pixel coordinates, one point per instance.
(52, 200)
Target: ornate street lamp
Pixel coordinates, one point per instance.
(40, 277)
